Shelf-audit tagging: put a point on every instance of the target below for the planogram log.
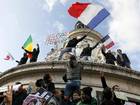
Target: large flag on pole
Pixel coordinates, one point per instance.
(28, 45)
(107, 41)
(90, 14)
(9, 57)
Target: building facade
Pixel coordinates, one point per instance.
(127, 79)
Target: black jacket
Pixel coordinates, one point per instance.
(23, 60)
(125, 60)
(35, 55)
(18, 97)
(50, 86)
(73, 42)
(110, 58)
(88, 50)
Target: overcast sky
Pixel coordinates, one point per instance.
(20, 18)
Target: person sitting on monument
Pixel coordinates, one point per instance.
(35, 54)
(23, 60)
(109, 57)
(71, 44)
(122, 59)
(86, 52)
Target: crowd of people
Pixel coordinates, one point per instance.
(121, 59)
(47, 94)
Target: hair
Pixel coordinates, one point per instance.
(39, 83)
(77, 91)
(119, 50)
(46, 77)
(87, 91)
(25, 54)
(72, 57)
(109, 51)
(18, 83)
(113, 87)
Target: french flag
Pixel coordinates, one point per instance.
(108, 43)
(9, 57)
(90, 14)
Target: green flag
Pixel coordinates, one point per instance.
(28, 45)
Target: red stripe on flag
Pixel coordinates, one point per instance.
(109, 45)
(77, 8)
(7, 58)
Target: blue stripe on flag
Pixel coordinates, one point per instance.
(98, 18)
(105, 38)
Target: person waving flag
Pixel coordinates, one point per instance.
(107, 42)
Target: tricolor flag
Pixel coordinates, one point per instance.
(9, 57)
(90, 14)
(108, 43)
(28, 45)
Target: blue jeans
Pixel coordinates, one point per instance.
(71, 86)
(67, 49)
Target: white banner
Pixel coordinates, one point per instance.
(54, 39)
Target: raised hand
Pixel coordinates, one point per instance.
(9, 94)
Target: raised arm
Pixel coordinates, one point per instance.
(95, 46)
(103, 50)
(26, 50)
(81, 38)
(104, 84)
(38, 49)
(17, 61)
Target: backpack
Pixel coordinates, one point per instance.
(41, 97)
